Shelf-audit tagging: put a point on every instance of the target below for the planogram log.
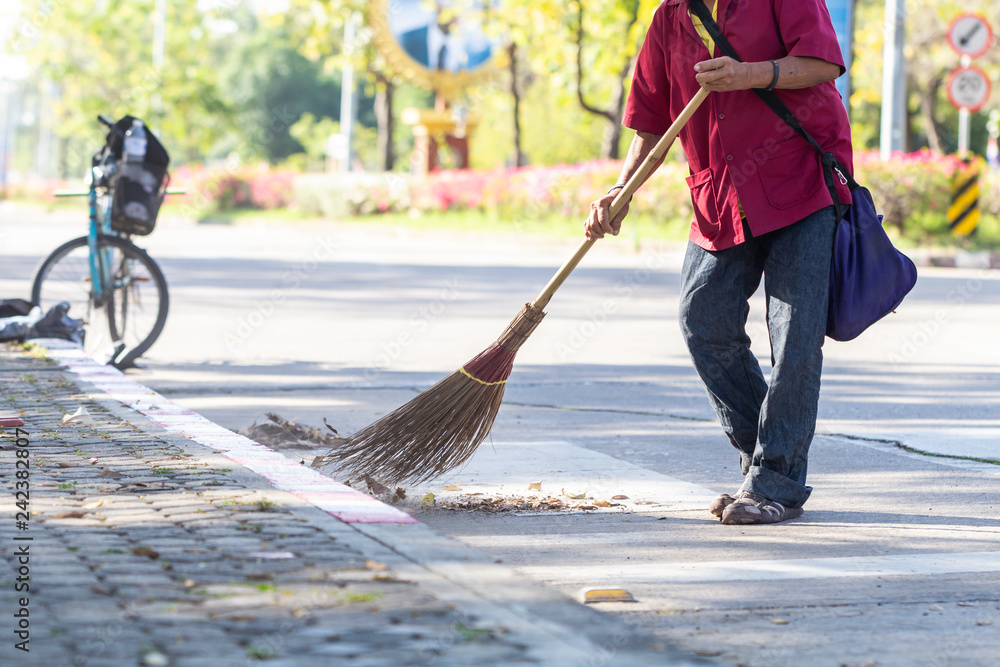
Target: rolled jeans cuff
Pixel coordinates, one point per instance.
(775, 486)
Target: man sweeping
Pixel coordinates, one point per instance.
(761, 208)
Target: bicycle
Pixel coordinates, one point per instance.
(109, 282)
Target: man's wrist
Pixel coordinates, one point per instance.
(762, 73)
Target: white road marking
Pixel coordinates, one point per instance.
(508, 468)
(906, 565)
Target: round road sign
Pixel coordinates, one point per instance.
(968, 88)
(970, 35)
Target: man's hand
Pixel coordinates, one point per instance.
(724, 74)
(599, 222)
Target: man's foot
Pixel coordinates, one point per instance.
(751, 508)
(719, 505)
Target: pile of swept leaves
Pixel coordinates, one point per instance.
(479, 502)
(279, 433)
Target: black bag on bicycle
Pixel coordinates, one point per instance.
(137, 189)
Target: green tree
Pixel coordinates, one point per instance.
(270, 86)
(99, 55)
(317, 26)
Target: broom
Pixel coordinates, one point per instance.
(442, 427)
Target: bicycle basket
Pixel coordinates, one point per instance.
(138, 189)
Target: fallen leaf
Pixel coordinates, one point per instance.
(110, 473)
(619, 497)
(602, 503)
(375, 487)
(428, 500)
(64, 465)
(259, 576)
(477, 493)
(189, 583)
(985, 621)
(376, 566)
(93, 460)
(644, 502)
(330, 427)
(574, 496)
(401, 493)
(452, 487)
(779, 621)
(935, 607)
(242, 617)
(535, 486)
(586, 507)
(94, 505)
(101, 590)
(69, 515)
(81, 416)
(145, 551)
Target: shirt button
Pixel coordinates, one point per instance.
(729, 157)
(722, 116)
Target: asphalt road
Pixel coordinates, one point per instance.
(315, 320)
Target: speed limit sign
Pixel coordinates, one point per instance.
(968, 88)
(970, 35)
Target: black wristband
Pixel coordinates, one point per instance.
(774, 81)
(617, 186)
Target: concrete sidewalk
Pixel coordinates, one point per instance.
(158, 538)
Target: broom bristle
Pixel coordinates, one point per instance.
(442, 427)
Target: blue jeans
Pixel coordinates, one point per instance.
(772, 425)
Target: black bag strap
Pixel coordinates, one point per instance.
(771, 99)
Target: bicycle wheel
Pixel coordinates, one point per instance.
(124, 320)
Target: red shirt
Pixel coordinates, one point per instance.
(739, 151)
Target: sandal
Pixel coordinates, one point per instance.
(719, 505)
(749, 508)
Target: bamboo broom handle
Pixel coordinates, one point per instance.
(637, 179)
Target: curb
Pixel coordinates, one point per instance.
(956, 259)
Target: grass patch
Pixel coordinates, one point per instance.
(258, 653)
(362, 597)
(471, 634)
(636, 227)
(262, 505)
(67, 485)
(253, 215)
(252, 527)
(913, 450)
(112, 550)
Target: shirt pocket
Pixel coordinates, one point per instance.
(792, 175)
(706, 208)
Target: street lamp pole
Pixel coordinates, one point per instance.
(347, 95)
(892, 137)
(159, 55)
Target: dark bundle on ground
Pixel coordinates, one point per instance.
(280, 433)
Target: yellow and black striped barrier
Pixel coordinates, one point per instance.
(963, 213)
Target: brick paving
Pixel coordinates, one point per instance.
(148, 549)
